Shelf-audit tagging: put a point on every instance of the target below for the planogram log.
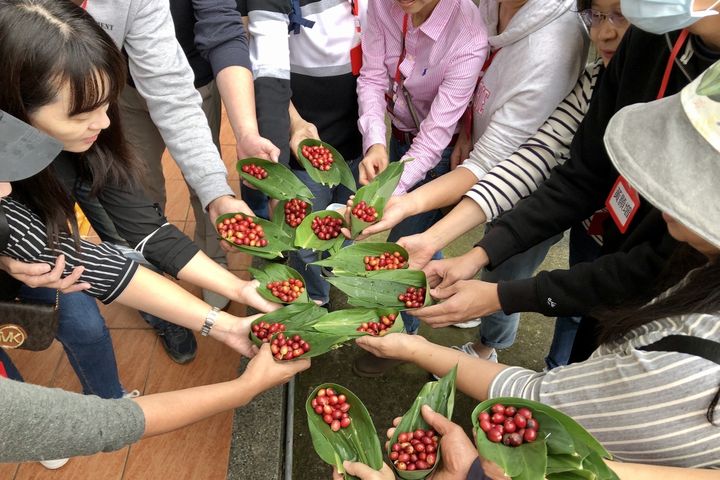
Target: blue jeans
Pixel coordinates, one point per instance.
(498, 330)
(421, 222)
(582, 249)
(317, 287)
(85, 338)
(256, 200)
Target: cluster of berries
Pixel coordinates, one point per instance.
(242, 230)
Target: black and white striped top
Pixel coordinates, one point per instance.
(106, 269)
(525, 170)
(644, 407)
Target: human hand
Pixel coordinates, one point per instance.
(419, 250)
(364, 472)
(36, 275)
(235, 333)
(267, 373)
(397, 209)
(445, 272)
(398, 346)
(302, 131)
(253, 145)
(248, 295)
(375, 161)
(462, 149)
(458, 451)
(462, 301)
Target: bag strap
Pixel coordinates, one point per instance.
(700, 347)
(4, 230)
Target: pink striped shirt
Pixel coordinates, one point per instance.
(443, 59)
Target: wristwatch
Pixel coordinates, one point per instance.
(209, 321)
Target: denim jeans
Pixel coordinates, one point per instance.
(257, 200)
(498, 330)
(317, 287)
(85, 338)
(582, 249)
(421, 222)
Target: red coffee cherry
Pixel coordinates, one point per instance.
(413, 297)
(326, 228)
(264, 331)
(333, 408)
(414, 450)
(242, 230)
(318, 156)
(365, 212)
(379, 328)
(295, 212)
(386, 261)
(509, 425)
(287, 290)
(287, 348)
(256, 171)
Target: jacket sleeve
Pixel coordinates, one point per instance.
(219, 34)
(163, 77)
(270, 57)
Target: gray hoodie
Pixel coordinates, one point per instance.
(162, 75)
(541, 55)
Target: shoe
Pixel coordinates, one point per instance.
(469, 324)
(469, 350)
(215, 299)
(54, 464)
(179, 342)
(131, 394)
(368, 365)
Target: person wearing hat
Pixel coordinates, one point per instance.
(650, 392)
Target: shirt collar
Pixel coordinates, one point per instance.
(437, 21)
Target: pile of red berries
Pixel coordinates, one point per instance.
(386, 261)
(287, 290)
(242, 230)
(415, 450)
(319, 156)
(287, 348)
(333, 408)
(380, 328)
(413, 297)
(265, 330)
(295, 212)
(326, 228)
(255, 170)
(509, 425)
(365, 212)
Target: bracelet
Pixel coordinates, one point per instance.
(209, 321)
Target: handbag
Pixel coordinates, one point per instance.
(29, 326)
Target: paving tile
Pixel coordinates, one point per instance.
(170, 168)
(103, 466)
(8, 470)
(38, 367)
(178, 201)
(119, 316)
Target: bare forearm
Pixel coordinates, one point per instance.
(444, 191)
(461, 219)
(204, 272)
(636, 471)
(238, 94)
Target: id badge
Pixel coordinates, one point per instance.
(622, 204)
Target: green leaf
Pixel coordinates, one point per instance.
(710, 83)
(440, 396)
(280, 183)
(350, 259)
(339, 172)
(381, 288)
(346, 322)
(306, 238)
(274, 272)
(320, 343)
(296, 316)
(278, 241)
(278, 218)
(595, 463)
(376, 194)
(563, 463)
(357, 443)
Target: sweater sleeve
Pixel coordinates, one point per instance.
(525, 170)
(219, 34)
(163, 77)
(270, 57)
(41, 423)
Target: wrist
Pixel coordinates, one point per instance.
(222, 326)
(412, 348)
(478, 257)
(376, 149)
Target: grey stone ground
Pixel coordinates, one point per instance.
(257, 440)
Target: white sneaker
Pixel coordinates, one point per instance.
(54, 464)
(215, 299)
(468, 349)
(469, 324)
(131, 394)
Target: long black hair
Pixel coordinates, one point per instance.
(45, 45)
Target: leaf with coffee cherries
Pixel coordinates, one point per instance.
(280, 183)
(358, 442)
(296, 316)
(376, 194)
(350, 260)
(381, 288)
(274, 272)
(320, 342)
(339, 172)
(346, 322)
(440, 396)
(562, 446)
(278, 241)
(305, 236)
(278, 218)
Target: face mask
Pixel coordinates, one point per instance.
(663, 16)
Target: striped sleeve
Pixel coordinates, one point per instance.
(106, 270)
(520, 174)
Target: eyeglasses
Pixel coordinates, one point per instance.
(593, 18)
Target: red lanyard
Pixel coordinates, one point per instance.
(402, 52)
(489, 61)
(671, 62)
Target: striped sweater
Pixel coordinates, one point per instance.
(106, 269)
(520, 174)
(644, 407)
